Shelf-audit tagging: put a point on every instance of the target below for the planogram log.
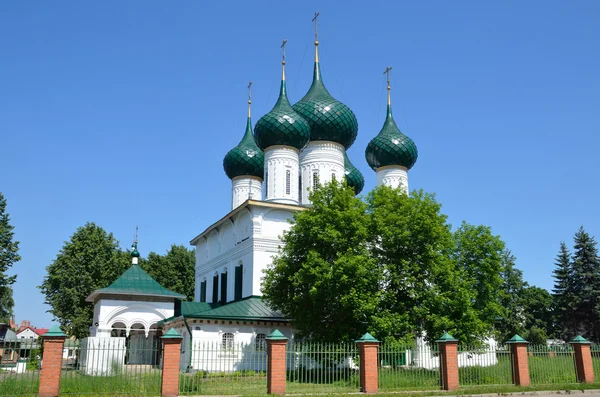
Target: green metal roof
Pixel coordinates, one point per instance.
(54, 331)
(446, 338)
(516, 339)
(276, 335)
(246, 158)
(354, 177)
(188, 308)
(580, 340)
(367, 338)
(328, 118)
(391, 146)
(249, 309)
(136, 282)
(282, 125)
(172, 334)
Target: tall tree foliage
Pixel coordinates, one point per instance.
(563, 292)
(577, 288)
(9, 254)
(325, 277)
(90, 260)
(388, 265)
(174, 271)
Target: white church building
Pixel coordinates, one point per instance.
(273, 169)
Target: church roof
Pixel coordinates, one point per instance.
(135, 282)
(248, 309)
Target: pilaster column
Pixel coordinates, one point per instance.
(54, 341)
(448, 347)
(583, 360)
(170, 369)
(519, 360)
(368, 350)
(276, 362)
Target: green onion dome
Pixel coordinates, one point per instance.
(329, 119)
(354, 178)
(282, 125)
(246, 158)
(134, 251)
(391, 146)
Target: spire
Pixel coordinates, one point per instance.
(283, 90)
(389, 91)
(135, 255)
(249, 99)
(316, 22)
(283, 59)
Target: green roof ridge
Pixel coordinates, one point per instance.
(367, 338)
(516, 339)
(276, 335)
(328, 118)
(55, 331)
(246, 158)
(172, 334)
(354, 177)
(446, 338)
(135, 281)
(580, 340)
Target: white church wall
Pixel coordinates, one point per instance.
(107, 312)
(102, 356)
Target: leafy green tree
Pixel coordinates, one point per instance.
(423, 288)
(586, 284)
(565, 301)
(9, 254)
(480, 255)
(174, 271)
(538, 305)
(91, 260)
(324, 277)
(512, 319)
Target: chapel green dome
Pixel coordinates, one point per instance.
(246, 159)
(391, 146)
(134, 250)
(354, 178)
(328, 118)
(282, 125)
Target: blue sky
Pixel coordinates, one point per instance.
(121, 112)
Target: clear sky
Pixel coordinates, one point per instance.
(120, 112)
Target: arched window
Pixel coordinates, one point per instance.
(227, 341)
(261, 342)
(288, 182)
(315, 179)
(300, 188)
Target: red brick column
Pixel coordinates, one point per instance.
(583, 360)
(276, 362)
(54, 341)
(368, 349)
(519, 361)
(448, 347)
(170, 369)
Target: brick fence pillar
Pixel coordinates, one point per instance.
(583, 360)
(54, 341)
(276, 362)
(519, 361)
(368, 350)
(169, 385)
(448, 347)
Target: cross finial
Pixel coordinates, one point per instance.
(283, 59)
(249, 96)
(316, 27)
(387, 72)
(136, 235)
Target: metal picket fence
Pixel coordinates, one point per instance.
(20, 362)
(485, 365)
(551, 365)
(322, 368)
(223, 368)
(405, 367)
(116, 366)
(595, 350)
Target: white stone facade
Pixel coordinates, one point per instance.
(281, 174)
(245, 188)
(141, 316)
(320, 163)
(394, 176)
(249, 236)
